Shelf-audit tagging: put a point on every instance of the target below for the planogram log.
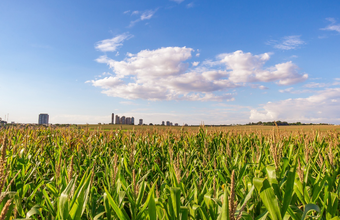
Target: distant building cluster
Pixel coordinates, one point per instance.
(43, 119)
(169, 123)
(122, 120)
(2, 122)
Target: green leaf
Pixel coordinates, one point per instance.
(79, 205)
(308, 208)
(98, 216)
(271, 172)
(34, 211)
(120, 213)
(107, 207)
(268, 197)
(289, 189)
(175, 200)
(152, 208)
(63, 205)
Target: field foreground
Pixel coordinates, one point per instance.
(66, 173)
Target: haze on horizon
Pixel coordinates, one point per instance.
(184, 61)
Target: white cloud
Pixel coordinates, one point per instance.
(257, 86)
(321, 107)
(315, 85)
(245, 67)
(288, 42)
(292, 91)
(332, 26)
(321, 85)
(146, 15)
(111, 45)
(195, 63)
(107, 82)
(198, 54)
(164, 74)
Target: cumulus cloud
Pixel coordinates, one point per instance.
(164, 74)
(321, 107)
(288, 42)
(333, 26)
(245, 67)
(195, 63)
(111, 45)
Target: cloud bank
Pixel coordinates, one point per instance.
(321, 107)
(165, 74)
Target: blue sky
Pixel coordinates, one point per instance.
(186, 61)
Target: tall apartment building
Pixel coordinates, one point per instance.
(43, 119)
(163, 123)
(122, 120)
(112, 118)
(132, 120)
(128, 120)
(117, 120)
(167, 123)
(140, 122)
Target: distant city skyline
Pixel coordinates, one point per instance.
(185, 61)
(122, 119)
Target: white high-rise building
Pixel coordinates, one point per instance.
(43, 119)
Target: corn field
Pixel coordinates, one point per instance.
(72, 174)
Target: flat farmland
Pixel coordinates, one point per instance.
(156, 172)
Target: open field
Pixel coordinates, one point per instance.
(233, 173)
(108, 127)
